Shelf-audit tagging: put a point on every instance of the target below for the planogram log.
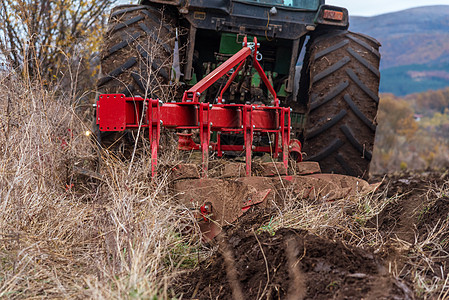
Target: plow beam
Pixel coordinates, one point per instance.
(118, 113)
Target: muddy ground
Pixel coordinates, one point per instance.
(296, 264)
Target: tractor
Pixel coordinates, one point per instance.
(242, 77)
(328, 75)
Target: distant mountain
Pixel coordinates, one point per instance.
(415, 47)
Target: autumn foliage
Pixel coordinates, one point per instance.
(413, 132)
(53, 40)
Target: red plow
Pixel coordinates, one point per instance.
(117, 113)
(220, 201)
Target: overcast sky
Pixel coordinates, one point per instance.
(376, 7)
(368, 7)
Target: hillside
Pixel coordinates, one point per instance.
(415, 47)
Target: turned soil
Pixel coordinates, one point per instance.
(300, 265)
(296, 264)
(418, 204)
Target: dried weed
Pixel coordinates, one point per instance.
(67, 235)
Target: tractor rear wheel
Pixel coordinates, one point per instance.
(344, 76)
(137, 57)
(137, 54)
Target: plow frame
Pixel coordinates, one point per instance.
(115, 112)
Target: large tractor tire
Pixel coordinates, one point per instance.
(136, 58)
(343, 69)
(137, 54)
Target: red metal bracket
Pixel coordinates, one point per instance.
(205, 130)
(248, 135)
(155, 122)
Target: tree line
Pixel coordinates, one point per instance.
(49, 40)
(413, 132)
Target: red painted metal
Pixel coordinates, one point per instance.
(186, 142)
(116, 112)
(285, 135)
(206, 211)
(264, 78)
(109, 113)
(295, 150)
(205, 130)
(155, 122)
(248, 135)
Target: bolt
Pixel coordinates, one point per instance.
(310, 27)
(253, 107)
(291, 128)
(258, 44)
(198, 94)
(210, 147)
(242, 126)
(161, 103)
(162, 122)
(210, 105)
(253, 147)
(94, 105)
(291, 109)
(254, 126)
(211, 123)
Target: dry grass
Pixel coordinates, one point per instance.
(65, 235)
(425, 262)
(426, 259)
(422, 262)
(342, 219)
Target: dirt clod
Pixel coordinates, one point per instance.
(298, 264)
